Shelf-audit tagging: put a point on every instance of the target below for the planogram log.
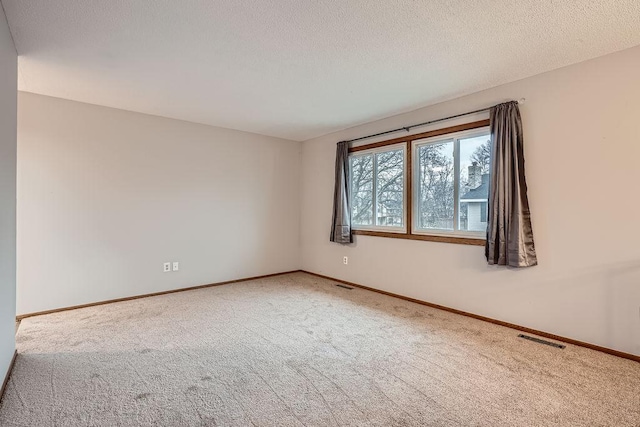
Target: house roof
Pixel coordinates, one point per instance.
(481, 192)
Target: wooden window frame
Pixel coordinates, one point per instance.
(408, 140)
(374, 152)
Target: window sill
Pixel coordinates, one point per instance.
(425, 237)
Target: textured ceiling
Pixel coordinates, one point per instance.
(301, 68)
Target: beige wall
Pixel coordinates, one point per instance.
(8, 91)
(106, 196)
(582, 136)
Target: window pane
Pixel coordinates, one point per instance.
(474, 182)
(435, 186)
(390, 188)
(361, 189)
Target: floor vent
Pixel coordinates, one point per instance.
(541, 341)
(344, 286)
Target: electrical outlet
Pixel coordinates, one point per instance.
(345, 260)
(176, 266)
(167, 267)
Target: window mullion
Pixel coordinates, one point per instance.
(417, 188)
(407, 188)
(456, 183)
(350, 195)
(375, 189)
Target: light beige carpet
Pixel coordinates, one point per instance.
(296, 350)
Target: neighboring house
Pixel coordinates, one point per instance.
(390, 216)
(476, 200)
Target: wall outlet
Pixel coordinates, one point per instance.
(167, 267)
(176, 266)
(345, 260)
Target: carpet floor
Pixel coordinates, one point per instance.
(296, 350)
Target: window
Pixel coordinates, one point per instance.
(452, 183)
(377, 188)
(445, 196)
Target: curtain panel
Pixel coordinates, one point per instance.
(341, 222)
(509, 231)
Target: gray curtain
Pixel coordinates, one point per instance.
(341, 223)
(509, 232)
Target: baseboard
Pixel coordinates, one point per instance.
(490, 320)
(154, 294)
(6, 378)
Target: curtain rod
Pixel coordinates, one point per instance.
(408, 128)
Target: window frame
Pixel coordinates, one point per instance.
(374, 151)
(455, 138)
(409, 232)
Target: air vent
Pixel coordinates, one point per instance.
(541, 341)
(343, 286)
